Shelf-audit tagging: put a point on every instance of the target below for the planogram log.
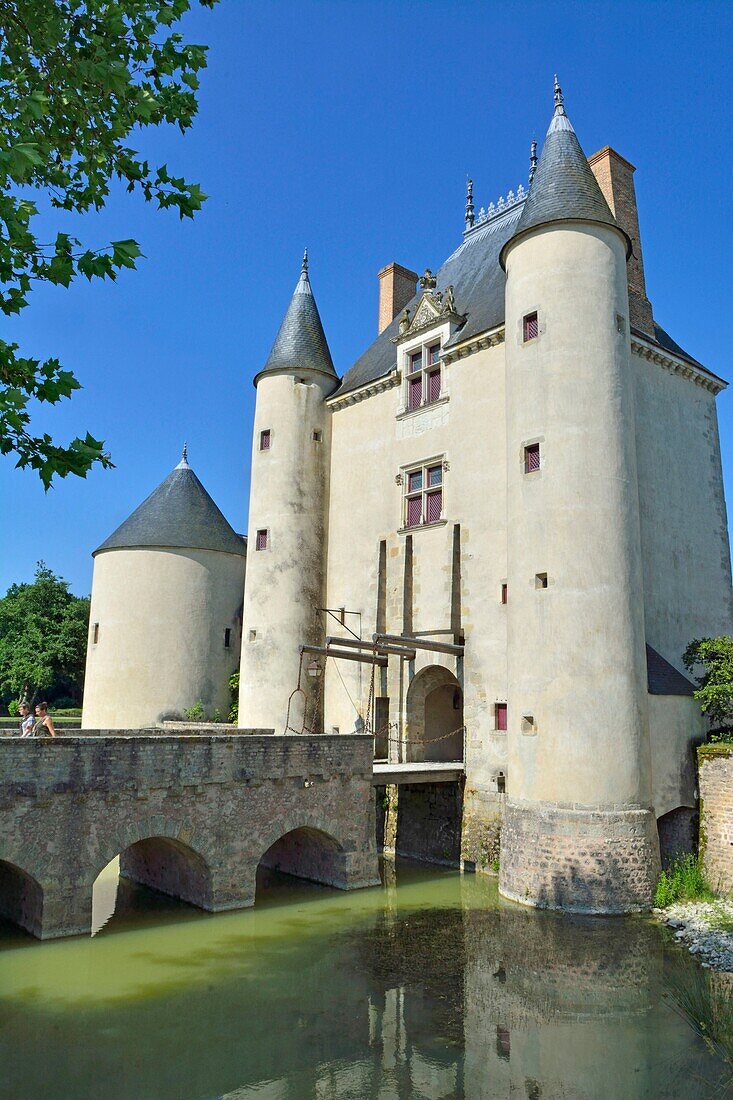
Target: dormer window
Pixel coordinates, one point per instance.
(424, 376)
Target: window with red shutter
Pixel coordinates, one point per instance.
(261, 541)
(434, 385)
(530, 327)
(434, 506)
(414, 392)
(500, 710)
(531, 458)
(414, 511)
(265, 440)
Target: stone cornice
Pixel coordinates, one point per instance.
(379, 385)
(677, 365)
(476, 343)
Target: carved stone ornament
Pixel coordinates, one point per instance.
(428, 280)
(433, 308)
(398, 479)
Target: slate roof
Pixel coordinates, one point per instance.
(301, 342)
(564, 187)
(179, 513)
(663, 678)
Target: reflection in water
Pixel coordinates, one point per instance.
(429, 987)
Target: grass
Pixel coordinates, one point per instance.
(683, 881)
(720, 919)
(704, 1001)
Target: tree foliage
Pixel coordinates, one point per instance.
(43, 638)
(77, 77)
(715, 685)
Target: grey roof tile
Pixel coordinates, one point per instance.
(663, 678)
(301, 342)
(180, 514)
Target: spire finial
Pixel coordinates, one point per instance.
(183, 464)
(559, 102)
(304, 266)
(470, 218)
(532, 160)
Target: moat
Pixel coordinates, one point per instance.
(429, 986)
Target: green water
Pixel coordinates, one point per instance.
(429, 986)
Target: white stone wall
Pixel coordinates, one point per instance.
(162, 614)
(684, 528)
(675, 726)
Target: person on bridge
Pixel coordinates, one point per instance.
(44, 722)
(26, 720)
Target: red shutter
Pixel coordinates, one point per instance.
(414, 397)
(531, 458)
(434, 385)
(265, 440)
(433, 506)
(414, 511)
(261, 543)
(531, 328)
(501, 716)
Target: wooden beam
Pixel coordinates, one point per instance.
(344, 655)
(420, 643)
(351, 643)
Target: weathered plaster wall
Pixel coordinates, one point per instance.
(162, 616)
(716, 814)
(684, 527)
(67, 807)
(675, 726)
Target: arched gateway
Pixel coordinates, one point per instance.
(434, 716)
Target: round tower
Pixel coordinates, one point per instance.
(287, 522)
(579, 832)
(166, 610)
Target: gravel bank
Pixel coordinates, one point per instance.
(706, 928)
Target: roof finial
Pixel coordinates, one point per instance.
(532, 160)
(183, 464)
(559, 102)
(304, 266)
(470, 218)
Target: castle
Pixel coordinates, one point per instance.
(489, 541)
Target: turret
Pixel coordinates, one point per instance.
(166, 611)
(579, 832)
(287, 522)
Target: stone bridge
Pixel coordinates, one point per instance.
(190, 815)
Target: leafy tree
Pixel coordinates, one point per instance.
(43, 638)
(77, 77)
(715, 686)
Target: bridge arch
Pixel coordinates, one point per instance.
(21, 897)
(308, 848)
(434, 716)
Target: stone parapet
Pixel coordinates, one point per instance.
(579, 860)
(716, 814)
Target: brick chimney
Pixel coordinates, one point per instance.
(396, 288)
(616, 180)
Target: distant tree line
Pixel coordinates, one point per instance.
(43, 641)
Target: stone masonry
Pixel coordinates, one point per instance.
(191, 816)
(716, 814)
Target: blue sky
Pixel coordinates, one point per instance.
(350, 127)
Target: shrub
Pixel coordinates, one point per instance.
(195, 713)
(234, 688)
(683, 881)
(13, 707)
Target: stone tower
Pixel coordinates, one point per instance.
(166, 613)
(287, 521)
(579, 832)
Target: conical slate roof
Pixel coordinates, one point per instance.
(179, 513)
(301, 342)
(564, 187)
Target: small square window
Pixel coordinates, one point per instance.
(500, 713)
(415, 361)
(529, 726)
(540, 580)
(265, 439)
(620, 324)
(532, 458)
(261, 542)
(227, 637)
(414, 481)
(435, 476)
(504, 592)
(501, 783)
(252, 635)
(317, 437)
(530, 327)
(433, 354)
(95, 633)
